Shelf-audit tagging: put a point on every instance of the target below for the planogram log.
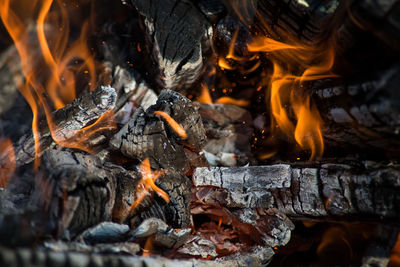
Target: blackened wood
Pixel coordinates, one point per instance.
(149, 135)
(178, 38)
(45, 257)
(306, 21)
(326, 192)
(364, 114)
(73, 117)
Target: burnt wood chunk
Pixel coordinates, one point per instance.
(326, 192)
(178, 36)
(364, 115)
(68, 120)
(148, 135)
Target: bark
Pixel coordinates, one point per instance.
(178, 38)
(365, 114)
(327, 192)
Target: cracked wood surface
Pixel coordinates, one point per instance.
(326, 192)
(147, 135)
(178, 38)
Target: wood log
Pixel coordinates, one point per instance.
(45, 257)
(147, 135)
(178, 37)
(68, 120)
(364, 115)
(327, 192)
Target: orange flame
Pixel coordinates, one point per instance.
(7, 162)
(147, 184)
(288, 90)
(174, 125)
(148, 247)
(48, 72)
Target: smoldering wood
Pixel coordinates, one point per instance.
(228, 129)
(46, 257)
(147, 135)
(305, 20)
(326, 192)
(364, 115)
(178, 37)
(68, 120)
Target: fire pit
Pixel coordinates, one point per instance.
(209, 132)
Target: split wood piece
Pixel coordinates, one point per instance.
(306, 21)
(72, 191)
(148, 135)
(228, 130)
(328, 192)
(47, 258)
(178, 36)
(365, 115)
(73, 117)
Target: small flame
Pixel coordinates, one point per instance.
(288, 91)
(148, 247)
(174, 125)
(7, 162)
(52, 71)
(231, 101)
(147, 184)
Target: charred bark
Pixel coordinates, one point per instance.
(327, 192)
(147, 135)
(364, 115)
(177, 39)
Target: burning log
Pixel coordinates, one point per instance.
(67, 122)
(364, 115)
(328, 192)
(178, 39)
(149, 135)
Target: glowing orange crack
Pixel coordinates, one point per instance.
(174, 125)
(147, 184)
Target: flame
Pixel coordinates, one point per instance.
(147, 184)
(174, 125)
(231, 101)
(287, 92)
(50, 73)
(395, 255)
(7, 162)
(205, 96)
(148, 247)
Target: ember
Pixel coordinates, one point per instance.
(209, 132)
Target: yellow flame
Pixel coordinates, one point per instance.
(174, 125)
(147, 184)
(287, 90)
(49, 72)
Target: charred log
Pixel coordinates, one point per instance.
(177, 38)
(147, 135)
(327, 192)
(364, 115)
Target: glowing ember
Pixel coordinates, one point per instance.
(174, 125)
(51, 72)
(147, 185)
(7, 162)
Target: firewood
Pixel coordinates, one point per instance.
(326, 192)
(147, 135)
(364, 115)
(178, 37)
(68, 120)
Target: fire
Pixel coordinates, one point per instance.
(51, 73)
(7, 162)
(395, 255)
(147, 184)
(205, 98)
(294, 66)
(174, 125)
